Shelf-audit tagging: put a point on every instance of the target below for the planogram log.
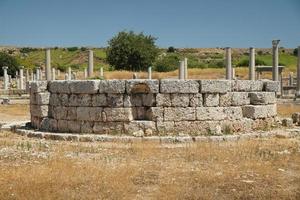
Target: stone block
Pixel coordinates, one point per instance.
(33, 98)
(86, 127)
(89, 113)
(296, 117)
(148, 99)
(99, 100)
(140, 113)
(144, 86)
(239, 98)
(225, 99)
(262, 98)
(179, 114)
(196, 100)
(179, 86)
(210, 113)
(80, 100)
(115, 100)
(48, 124)
(113, 128)
(211, 99)
(165, 128)
(271, 86)
(156, 113)
(62, 126)
(287, 122)
(215, 86)
(59, 87)
(233, 113)
(163, 100)
(84, 86)
(38, 86)
(259, 111)
(54, 100)
(63, 99)
(73, 126)
(180, 100)
(112, 86)
(136, 99)
(71, 113)
(117, 114)
(247, 85)
(59, 112)
(39, 110)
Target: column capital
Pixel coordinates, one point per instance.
(4, 67)
(275, 43)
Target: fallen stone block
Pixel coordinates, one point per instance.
(287, 122)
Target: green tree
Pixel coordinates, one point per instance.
(9, 61)
(167, 63)
(130, 51)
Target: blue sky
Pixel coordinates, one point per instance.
(184, 23)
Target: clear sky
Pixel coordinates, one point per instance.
(179, 23)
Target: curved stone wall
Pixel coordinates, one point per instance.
(153, 107)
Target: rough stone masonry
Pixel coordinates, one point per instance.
(153, 107)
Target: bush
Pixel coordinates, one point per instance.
(295, 52)
(167, 63)
(72, 49)
(83, 49)
(171, 50)
(130, 51)
(245, 62)
(9, 61)
(27, 50)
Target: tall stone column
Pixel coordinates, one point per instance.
(66, 76)
(149, 72)
(85, 73)
(185, 68)
(48, 64)
(5, 76)
(275, 74)
(22, 78)
(91, 63)
(181, 70)
(37, 73)
(228, 63)
(298, 73)
(252, 63)
(53, 74)
(101, 71)
(69, 73)
(31, 75)
(27, 76)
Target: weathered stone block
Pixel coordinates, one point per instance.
(62, 126)
(211, 99)
(86, 127)
(296, 117)
(84, 86)
(287, 122)
(179, 114)
(156, 113)
(180, 100)
(271, 86)
(225, 99)
(33, 98)
(163, 100)
(38, 86)
(80, 100)
(196, 100)
(115, 100)
(138, 86)
(99, 100)
(59, 87)
(179, 86)
(247, 85)
(73, 126)
(89, 113)
(71, 113)
(148, 99)
(262, 98)
(48, 124)
(112, 86)
(117, 114)
(215, 86)
(210, 113)
(258, 111)
(59, 112)
(233, 113)
(240, 98)
(39, 110)
(54, 100)
(63, 99)
(165, 128)
(113, 128)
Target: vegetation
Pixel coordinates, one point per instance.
(72, 49)
(171, 50)
(167, 63)
(131, 51)
(295, 52)
(9, 61)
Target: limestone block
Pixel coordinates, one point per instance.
(115, 100)
(33, 98)
(71, 113)
(147, 127)
(165, 128)
(180, 100)
(112, 86)
(145, 86)
(247, 85)
(113, 128)
(196, 100)
(48, 124)
(179, 113)
(59, 112)
(118, 114)
(215, 86)
(136, 99)
(38, 86)
(63, 99)
(262, 98)
(148, 99)
(99, 100)
(84, 86)
(156, 113)
(179, 86)
(139, 113)
(62, 126)
(36, 122)
(73, 126)
(54, 100)
(271, 86)
(89, 113)
(211, 99)
(127, 101)
(80, 100)
(240, 98)
(59, 87)
(259, 111)
(233, 113)
(210, 113)
(86, 127)
(163, 100)
(225, 99)
(39, 110)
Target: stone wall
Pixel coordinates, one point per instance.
(153, 107)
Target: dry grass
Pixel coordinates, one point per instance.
(257, 169)
(14, 112)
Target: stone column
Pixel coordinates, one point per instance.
(185, 68)
(37, 73)
(228, 63)
(53, 74)
(27, 76)
(298, 73)
(149, 72)
(31, 75)
(66, 76)
(275, 74)
(252, 63)
(85, 73)
(48, 65)
(22, 78)
(101, 71)
(91, 63)
(5, 78)
(69, 73)
(291, 79)
(58, 74)
(34, 77)
(233, 73)
(181, 70)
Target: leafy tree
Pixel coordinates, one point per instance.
(9, 61)
(72, 49)
(131, 51)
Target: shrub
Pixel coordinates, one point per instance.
(260, 52)
(27, 50)
(295, 52)
(167, 63)
(245, 62)
(171, 50)
(83, 49)
(72, 49)
(9, 61)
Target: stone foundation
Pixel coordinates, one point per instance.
(153, 107)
